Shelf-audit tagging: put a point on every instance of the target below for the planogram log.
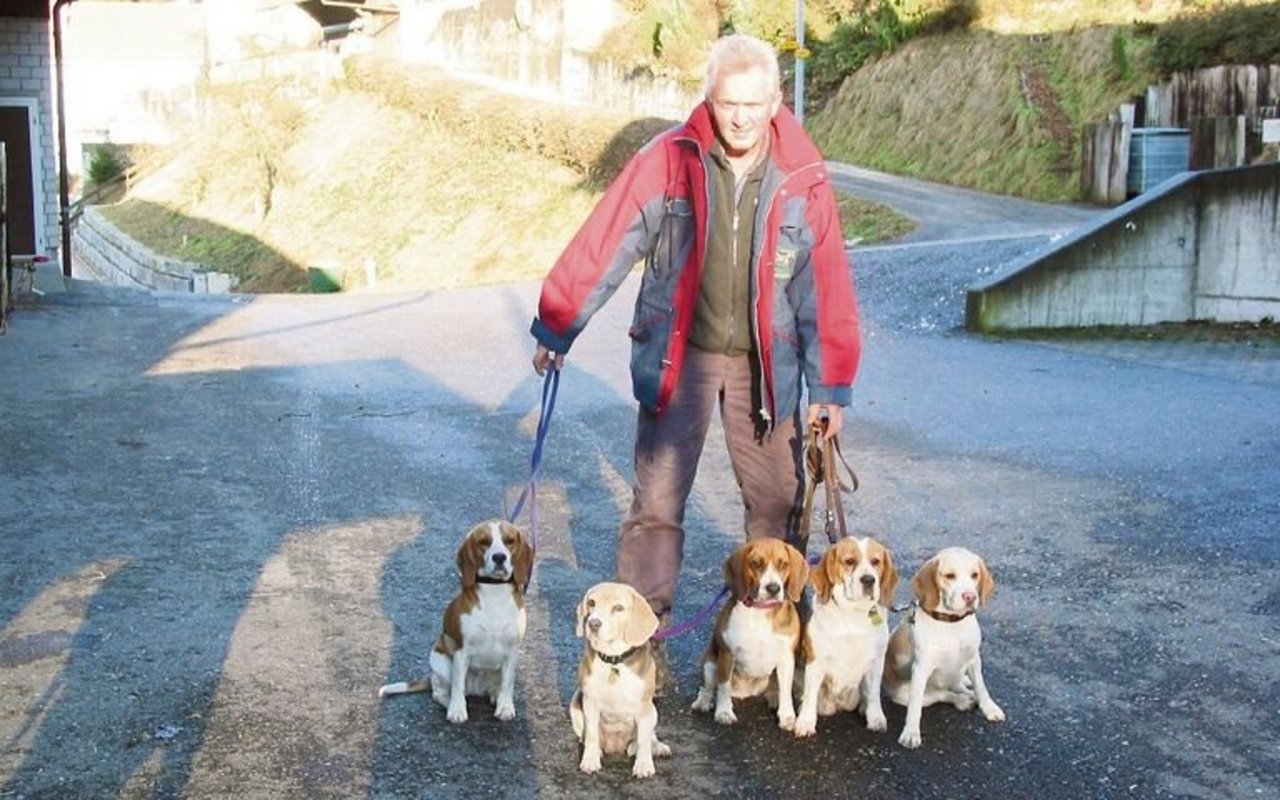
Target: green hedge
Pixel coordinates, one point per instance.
(1227, 35)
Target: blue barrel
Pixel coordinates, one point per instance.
(1155, 155)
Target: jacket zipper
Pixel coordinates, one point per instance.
(767, 403)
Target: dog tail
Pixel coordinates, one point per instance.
(403, 687)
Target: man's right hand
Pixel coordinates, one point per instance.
(542, 358)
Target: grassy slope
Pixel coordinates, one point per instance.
(374, 172)
(1002, 113)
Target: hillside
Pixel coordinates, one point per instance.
(421, 181)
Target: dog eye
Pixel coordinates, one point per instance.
(619, 608)
(875, 562)
(951, 576)
(851, 561)
(591, 603)
(974, 576)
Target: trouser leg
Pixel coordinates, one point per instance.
(769, 468)
(668, 446)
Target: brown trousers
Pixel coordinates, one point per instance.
(768, 468)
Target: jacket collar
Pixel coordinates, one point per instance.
(790, 147)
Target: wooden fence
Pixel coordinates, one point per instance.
(1223, 107)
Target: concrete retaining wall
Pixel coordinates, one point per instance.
(1200, 246)
(102, 253)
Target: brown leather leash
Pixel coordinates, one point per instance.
(820, 461)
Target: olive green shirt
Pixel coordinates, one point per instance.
(722, 315)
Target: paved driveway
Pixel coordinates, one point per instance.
(226, 522)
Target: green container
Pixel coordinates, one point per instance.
(324, 279)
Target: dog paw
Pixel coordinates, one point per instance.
(963, 701)
(877, 722)
(457, 715)
(643, 768)
(702, 702)
(505, 711)
(590, 763)
(992, 711)
(661, 749)
(725, 716)
(805, 726)
(910, 739)
(787, 722)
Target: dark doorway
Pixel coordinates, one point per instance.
(15, 132)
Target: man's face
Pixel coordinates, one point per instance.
(742, 104)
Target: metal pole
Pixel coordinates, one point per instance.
(799, 103)
(64, 201)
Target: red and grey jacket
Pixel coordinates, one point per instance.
(804, 308)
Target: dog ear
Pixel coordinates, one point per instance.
(797, 573)
(733, 572)
(888, 579)
(468, 567)
(642, 623)
(523, 559)
(986, 583)
(580, 628)
(925, 584)
(824, 578)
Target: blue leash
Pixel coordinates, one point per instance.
(550, 387)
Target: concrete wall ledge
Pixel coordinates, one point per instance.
(103, 253)
(1201, 246)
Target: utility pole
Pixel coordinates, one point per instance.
(801, 55)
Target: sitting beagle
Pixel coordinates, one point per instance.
(477, 651)
(612, 710)
(843, 645)
(752, 650)
(934, 654)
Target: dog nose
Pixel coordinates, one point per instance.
(969, 597)
(868, 580)
(773, 588)
(593, 623)
(499, 559)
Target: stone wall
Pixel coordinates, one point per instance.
(102, 253)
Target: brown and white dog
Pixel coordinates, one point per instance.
(752, 650)
(934, 653)
(612, 710)
(843, 645)
(477, 651)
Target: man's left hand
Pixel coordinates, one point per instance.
(833, 413)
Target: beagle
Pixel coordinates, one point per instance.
(752, 650)
(843, 645)
(477, 651)
(612, 710)
(933, 654)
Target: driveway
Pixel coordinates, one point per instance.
(227, 521)
(951, 213)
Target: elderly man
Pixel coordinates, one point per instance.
(746, 296)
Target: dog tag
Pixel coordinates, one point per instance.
(874, 616)
(613, 675)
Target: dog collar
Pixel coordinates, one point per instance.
(942, 616)
(618, 659)
(484, 579)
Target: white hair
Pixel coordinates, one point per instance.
(738, 53)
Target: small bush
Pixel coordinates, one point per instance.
(1225, 35)
(106, 163)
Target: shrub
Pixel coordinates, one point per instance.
(1225, 35)
(106, 163)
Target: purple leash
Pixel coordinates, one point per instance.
(550, 387)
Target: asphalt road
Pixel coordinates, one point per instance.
(226, 522)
